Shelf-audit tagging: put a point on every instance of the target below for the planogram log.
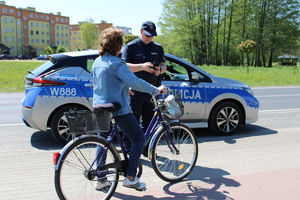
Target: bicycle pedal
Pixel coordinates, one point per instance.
(141, 190)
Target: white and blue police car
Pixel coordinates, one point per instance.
(64, 83)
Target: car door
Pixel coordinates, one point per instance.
(178, 78)
(86, 79)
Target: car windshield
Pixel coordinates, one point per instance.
(43, 68)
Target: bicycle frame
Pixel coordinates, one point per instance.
(150, 134)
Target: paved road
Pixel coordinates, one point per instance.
(262, 161)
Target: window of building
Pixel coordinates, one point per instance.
(4, 19)
(19, 22)
(31, 32)
(12, 39)
(19, 14)
(57, 19)
(5, 30)
(19, 31)
(12, 30)
(37, 24)
(4, 10)
(37, 32)
(32, 40)
(25, 26)
(31, 15)
(31, 24)
(11, 20)
(25, 18)
(37, 41)
(36, 16)
(11, 10)
(47, 17)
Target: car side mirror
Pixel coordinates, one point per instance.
(195, 77)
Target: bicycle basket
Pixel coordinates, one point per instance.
(173, 107)
(87, 122)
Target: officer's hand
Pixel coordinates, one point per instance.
(148, 67)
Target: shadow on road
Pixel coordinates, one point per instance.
(206, 184)
(250, 130)
(44, 140)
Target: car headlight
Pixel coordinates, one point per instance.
(249, 90)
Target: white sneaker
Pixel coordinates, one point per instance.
(136, 184)
(102, 184)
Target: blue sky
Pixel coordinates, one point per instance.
(129, 13)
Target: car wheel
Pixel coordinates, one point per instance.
(225, 118)
(59, 125)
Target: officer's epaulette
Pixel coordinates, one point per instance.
(157, 44)
(131, 42)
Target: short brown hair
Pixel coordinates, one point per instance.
(111, 41)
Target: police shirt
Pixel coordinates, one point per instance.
(137, 51)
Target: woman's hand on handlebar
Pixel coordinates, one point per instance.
(162, 89)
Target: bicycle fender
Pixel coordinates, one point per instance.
(155, 135)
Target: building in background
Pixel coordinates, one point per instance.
(76, 42)
(25, 31)
(127, 30)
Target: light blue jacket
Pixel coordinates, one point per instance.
(112, 79)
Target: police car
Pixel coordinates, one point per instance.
(64, 83)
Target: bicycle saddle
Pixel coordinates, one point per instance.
(111, 107)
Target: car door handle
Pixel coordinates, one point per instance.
(89, 85)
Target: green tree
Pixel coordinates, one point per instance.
(208, 31)
(47, 50)
(61, 49)
(89, 34)
(129, 38)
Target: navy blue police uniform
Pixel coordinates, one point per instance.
(137, 52)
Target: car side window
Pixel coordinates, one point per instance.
(175, 72)
(89, 64)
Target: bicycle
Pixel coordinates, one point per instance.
(173, 151)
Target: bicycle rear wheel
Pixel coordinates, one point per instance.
(75, 174)
(174, 166)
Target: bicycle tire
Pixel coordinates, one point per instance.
(168, 165)
(70, 181)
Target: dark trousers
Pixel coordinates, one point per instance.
(142, 108)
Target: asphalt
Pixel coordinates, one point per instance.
(237, 172)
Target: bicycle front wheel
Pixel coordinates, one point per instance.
(76, 176)
(168, 164)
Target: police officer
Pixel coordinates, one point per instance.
(146, 59)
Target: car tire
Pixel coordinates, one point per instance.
(59, 124)
(225, 118)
